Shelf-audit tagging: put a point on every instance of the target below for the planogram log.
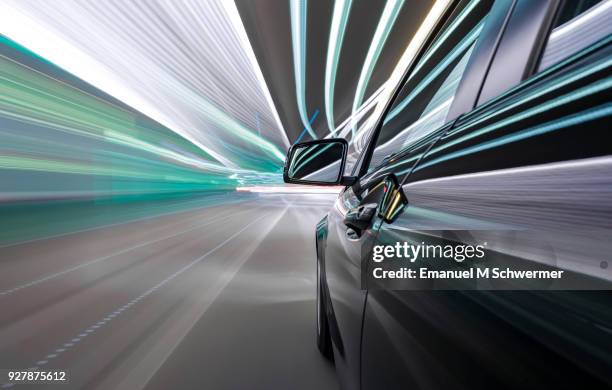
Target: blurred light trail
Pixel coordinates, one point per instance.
(359, 125)
(344, 129)
(234, 16)
(417, 41)
(387, 19)
(298, 10)
(51, 45)
(379, 98)
(190, 68)
(591, 26)
(336, 36)
(60, 138)
(459, 50)
(447, 32)
(297, 189)
(312, 118)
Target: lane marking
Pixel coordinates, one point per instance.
(73, 342)
(144, 369)
(35, 282)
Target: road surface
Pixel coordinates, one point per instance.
(215, 297)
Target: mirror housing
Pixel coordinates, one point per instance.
(319, 162)
(394, 200)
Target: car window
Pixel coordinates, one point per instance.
(366, 123)
(426, 97)
(578, 25)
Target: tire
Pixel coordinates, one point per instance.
(324, 342)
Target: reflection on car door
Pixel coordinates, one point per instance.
(343, 275)
(530, 168)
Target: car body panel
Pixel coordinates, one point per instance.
(488, 169)
(530, 173)
(342, 269)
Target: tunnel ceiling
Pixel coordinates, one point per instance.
(268, 23)
(221, 74)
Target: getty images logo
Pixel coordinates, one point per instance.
(410, 252)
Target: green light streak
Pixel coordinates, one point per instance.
(582, 117)
(56, 138)
(387, 19)
(546, 89)
(336, 36)
(450, 57)
(563, 100)
(451, 28)
(524, 100)
(298, 10)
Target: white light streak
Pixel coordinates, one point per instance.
(387, 19)
(234, 17)
(415, 45)
(190, 68)
(298, 10)
(297, 189)
(336, 36)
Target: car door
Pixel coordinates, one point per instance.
(527, 171)
(347, 248)
(447, 75)
(340, 260)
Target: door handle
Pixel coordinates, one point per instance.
(360, 218)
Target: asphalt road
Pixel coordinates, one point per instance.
(217, 297)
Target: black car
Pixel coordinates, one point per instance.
(496, 134)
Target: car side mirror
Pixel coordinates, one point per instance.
(394, 200)
(319, 162)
